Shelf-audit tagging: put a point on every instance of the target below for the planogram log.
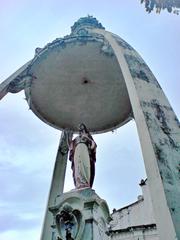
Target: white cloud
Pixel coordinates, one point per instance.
(17, 235)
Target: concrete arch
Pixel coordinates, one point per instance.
(158, 130)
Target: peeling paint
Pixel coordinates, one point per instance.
(139, 69)
(161, 116)
(122, 43)
(135, 67)
(153, 103)
(161, 156)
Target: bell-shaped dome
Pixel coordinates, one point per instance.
(78, 79)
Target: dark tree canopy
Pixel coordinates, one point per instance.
(169, 5)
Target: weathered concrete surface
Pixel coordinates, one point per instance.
(159, 134)
(57, 184)
(76, 78)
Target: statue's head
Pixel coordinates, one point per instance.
(82, 128)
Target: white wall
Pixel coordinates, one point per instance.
(134, 220)
(149, 234)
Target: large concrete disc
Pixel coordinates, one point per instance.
(79, 83)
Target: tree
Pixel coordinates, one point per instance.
(169, 5)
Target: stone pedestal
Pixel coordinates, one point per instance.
(80, 215)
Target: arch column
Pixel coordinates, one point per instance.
(57, 184)
(159, 134)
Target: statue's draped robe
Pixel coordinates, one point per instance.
(83, 157)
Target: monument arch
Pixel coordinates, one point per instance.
(72, 79)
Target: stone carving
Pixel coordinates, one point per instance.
(88, 21)
(83, 157)
(81, 215)
(81, 36)
(65, 139)
(68, 222)
(19, 83)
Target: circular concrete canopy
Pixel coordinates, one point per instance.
(76, 81)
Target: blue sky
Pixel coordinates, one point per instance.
(28, 146)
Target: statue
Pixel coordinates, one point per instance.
(83, 157)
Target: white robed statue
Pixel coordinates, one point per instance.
(83, 157)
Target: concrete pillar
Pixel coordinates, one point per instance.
(159, 134)
(57, 184)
